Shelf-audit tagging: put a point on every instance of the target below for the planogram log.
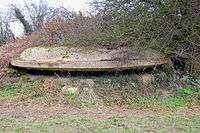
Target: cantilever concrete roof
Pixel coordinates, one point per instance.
(87, 59)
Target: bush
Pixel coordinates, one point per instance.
(170, 26)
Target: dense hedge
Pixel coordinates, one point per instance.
(173, 26)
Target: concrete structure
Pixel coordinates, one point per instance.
(87, 59)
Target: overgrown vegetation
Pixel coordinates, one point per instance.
(121, 89)
(170, 26)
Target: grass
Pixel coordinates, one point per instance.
(110, 89)
(182, 97)
(188, 90)
(15, 89)
(116, 89)
(173, 124)
(174, 102)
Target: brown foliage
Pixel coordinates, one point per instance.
(10, 49)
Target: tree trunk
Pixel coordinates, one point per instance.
(18, 14)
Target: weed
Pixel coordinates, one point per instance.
(71, 93)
